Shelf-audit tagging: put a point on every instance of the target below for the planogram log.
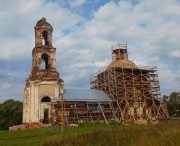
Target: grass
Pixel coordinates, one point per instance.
(34, 137)
(166, 133)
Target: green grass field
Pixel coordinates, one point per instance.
(166, 133)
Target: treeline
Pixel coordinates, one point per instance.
(10, 113)
(173, 104)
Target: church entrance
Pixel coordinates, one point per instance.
(45, 109)
(46, 116)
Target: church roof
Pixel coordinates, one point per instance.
(85, 95)
(122, 64)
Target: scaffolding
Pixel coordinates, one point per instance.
(84, 106)
(85, 112)
(135, 90)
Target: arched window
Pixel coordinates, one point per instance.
(46, 99)
(45, 38)
(44, 61)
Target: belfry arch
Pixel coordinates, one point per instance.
(45, 38)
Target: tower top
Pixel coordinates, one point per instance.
(120, 57)
(43, 22)
(43, 54)
(119, 52)
(43, 33)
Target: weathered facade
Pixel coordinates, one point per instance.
(43, 85)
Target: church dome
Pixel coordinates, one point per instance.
(122, 64)
(43, 22)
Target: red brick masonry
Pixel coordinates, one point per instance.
(28, 126)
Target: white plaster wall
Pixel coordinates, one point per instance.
(34, 110)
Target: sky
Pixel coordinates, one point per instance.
(83, 32)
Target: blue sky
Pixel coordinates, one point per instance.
(84, 31)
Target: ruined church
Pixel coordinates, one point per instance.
(44, 89)
(121, 92)
(44, 83)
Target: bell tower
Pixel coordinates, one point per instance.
(43, 86)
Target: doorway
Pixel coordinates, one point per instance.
(46, 115)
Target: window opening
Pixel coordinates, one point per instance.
(45, 38)
(44, 61)
(46, 99)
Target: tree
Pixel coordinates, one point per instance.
(173, 104)
(10, 113)
(165, 98)
(174, 97)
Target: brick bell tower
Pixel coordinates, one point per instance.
(44, 84)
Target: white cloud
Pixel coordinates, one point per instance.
(168, 79)
(175, 53)
(20, 17)
(77, 3)
(151, 29)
